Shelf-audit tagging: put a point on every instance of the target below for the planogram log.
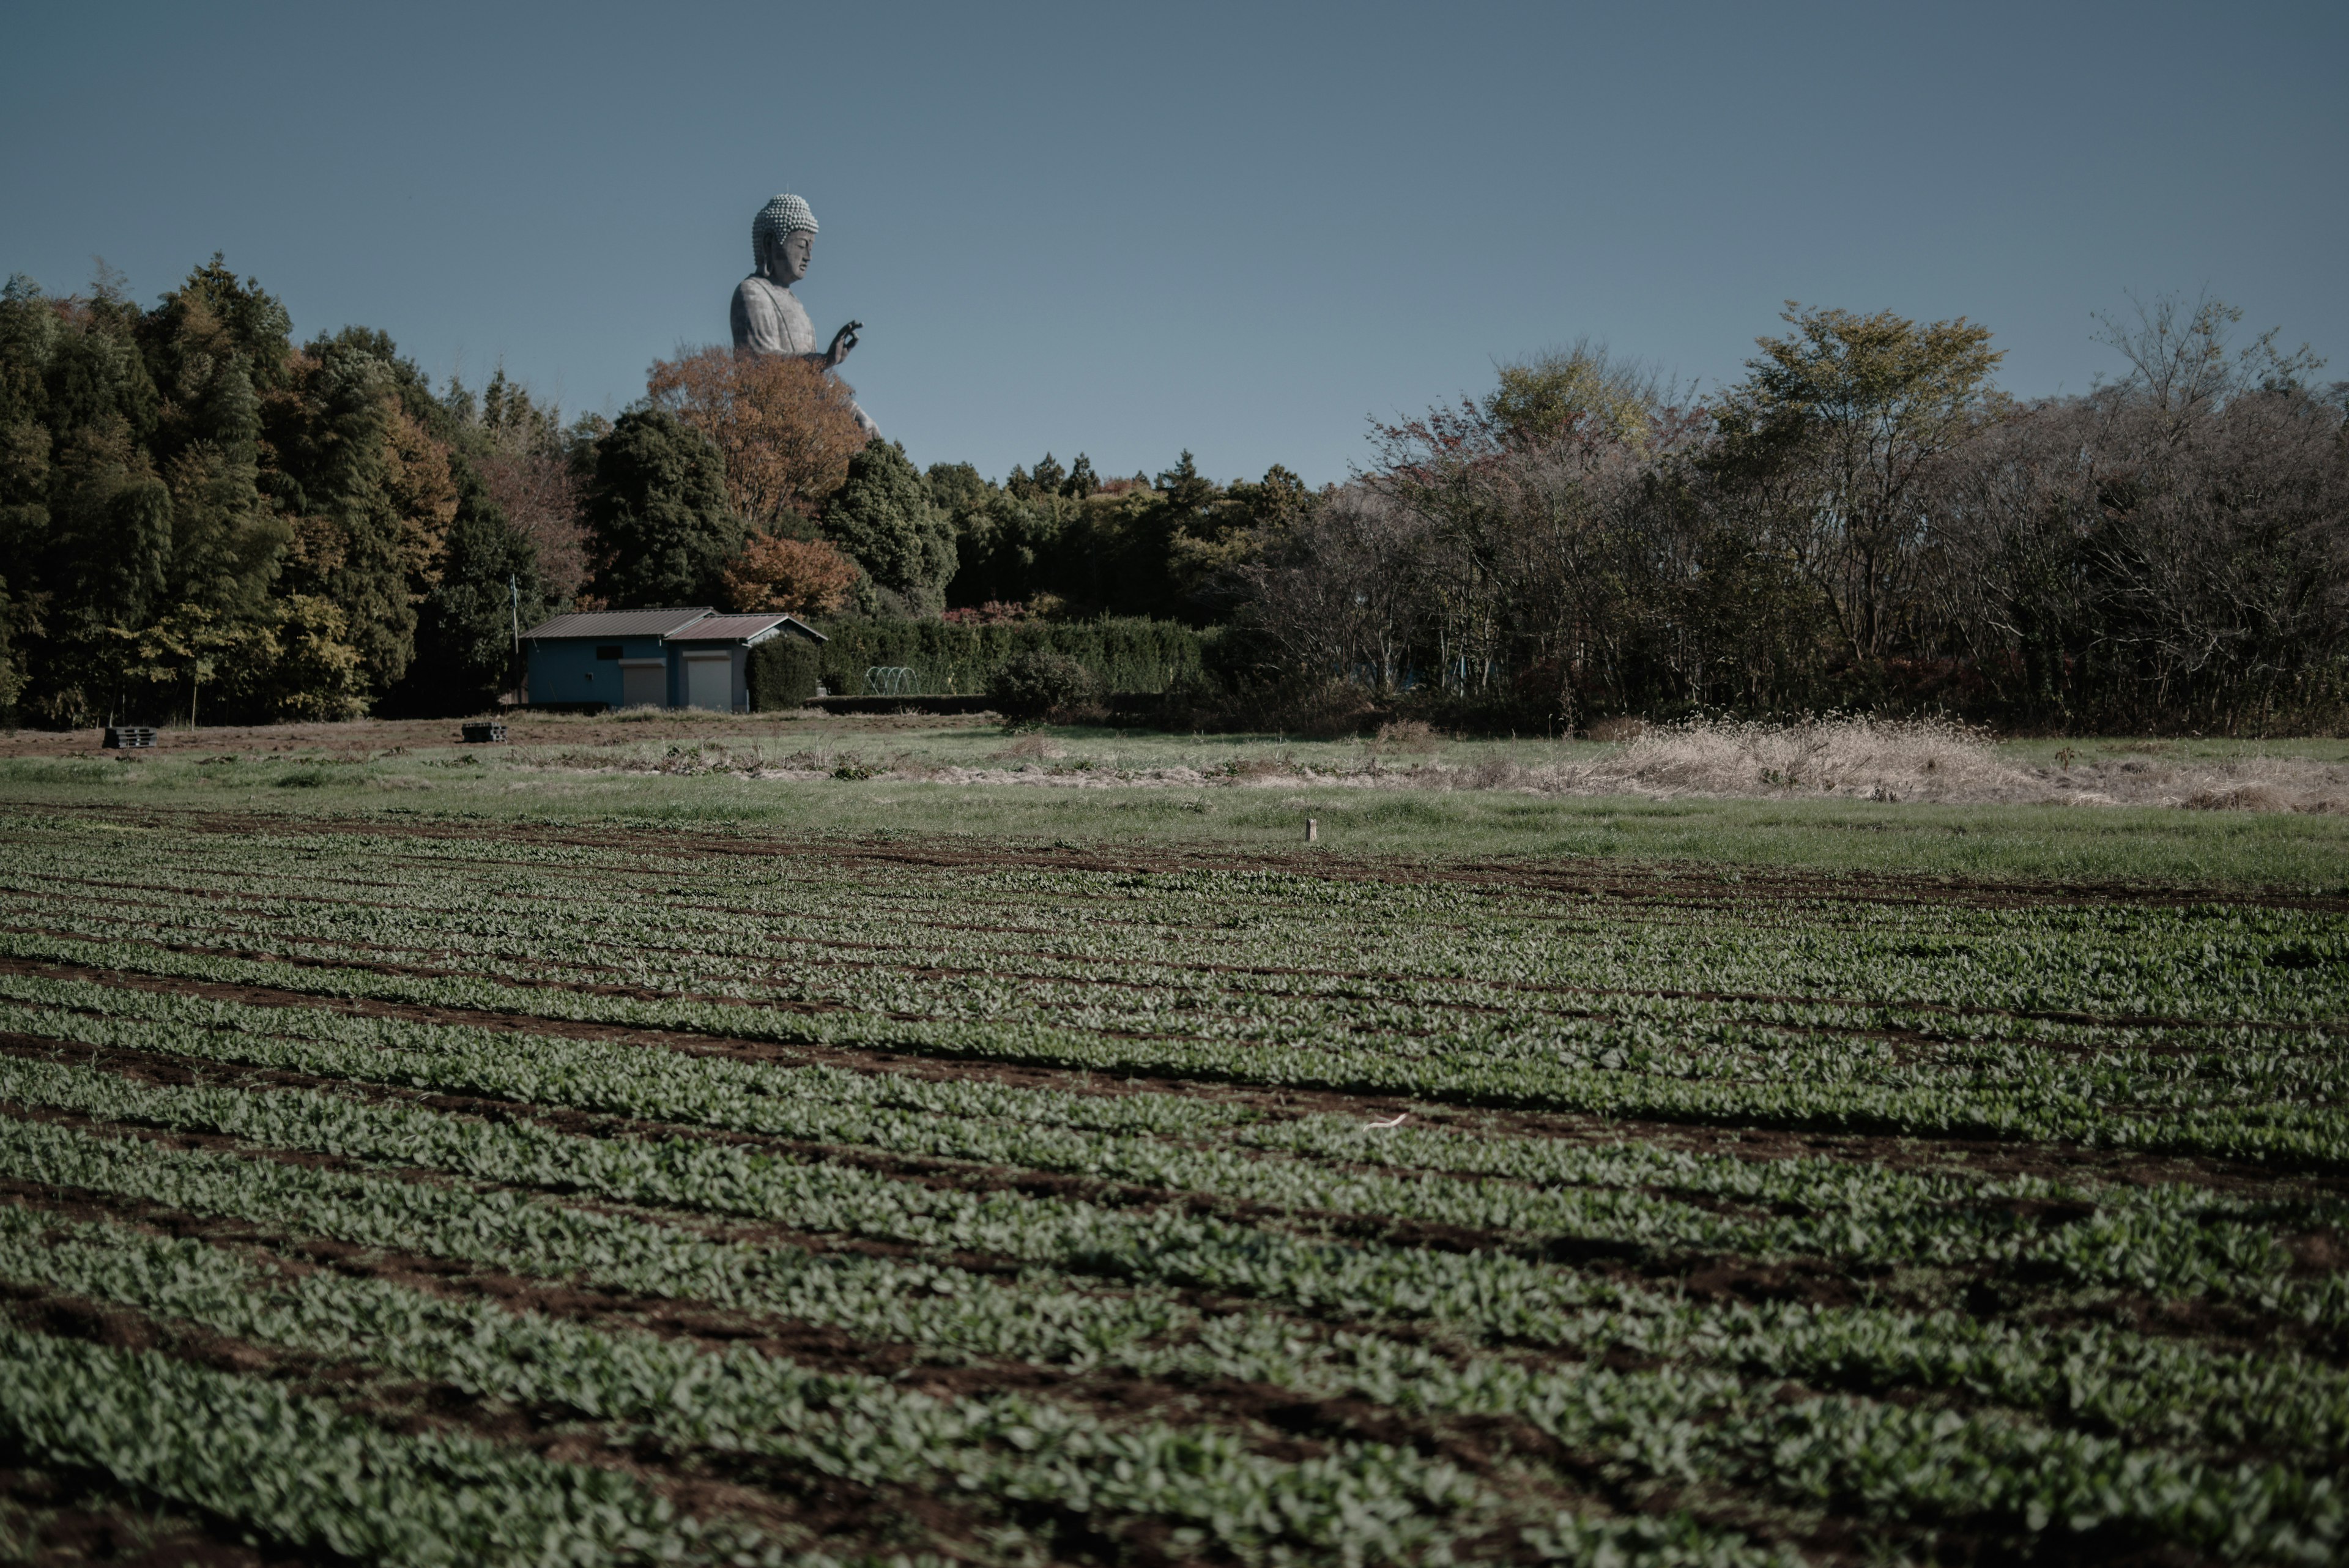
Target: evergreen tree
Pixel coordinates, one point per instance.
(27, 328)
(93, 567)
(657, 513)
(883, 518)
(465, 627)
(210, 345)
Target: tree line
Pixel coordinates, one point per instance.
(200, 519)
(1863, 520)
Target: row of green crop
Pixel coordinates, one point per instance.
(709, 949)
(2215, 964)
(1486, 1295)
(974, 1118)
(2175, 1241)
(299, 1473)
(2024, 1431)
(1922, 1465)
(2166, 1390)
(1690, 1040)
(717, 947)
(2162, 1083)
(2011, 1093)
(1364, 1500)
(733, 957)
(718, 953)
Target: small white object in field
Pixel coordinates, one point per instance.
(1397, 1122)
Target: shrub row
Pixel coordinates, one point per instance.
(1125, 655)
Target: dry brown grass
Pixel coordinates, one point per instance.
(1411, 735)
(1254, 768)
(1029, 748)
(1855, 757)
(1875, 759)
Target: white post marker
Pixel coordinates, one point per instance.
(1312, 829)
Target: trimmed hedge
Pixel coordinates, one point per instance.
(783, 672)
(1128, 655)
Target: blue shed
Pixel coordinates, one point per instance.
(684, 658)
(713, 657)
(606, 659)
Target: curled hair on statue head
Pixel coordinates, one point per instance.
(775, 220)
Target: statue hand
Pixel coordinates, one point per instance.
(842, 342)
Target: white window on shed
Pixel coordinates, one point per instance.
(709, 682)
(643, 683)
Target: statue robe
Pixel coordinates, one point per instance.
(770, 319)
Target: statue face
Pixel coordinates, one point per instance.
(787, 258)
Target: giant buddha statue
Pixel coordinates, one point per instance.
(767, 317)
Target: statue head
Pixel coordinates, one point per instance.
(782, 238)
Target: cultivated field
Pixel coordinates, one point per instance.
(494, 1185)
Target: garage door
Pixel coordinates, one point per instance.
(643, 683)
(709, 682)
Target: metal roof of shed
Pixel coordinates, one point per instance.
(620, 623)
(740, 628)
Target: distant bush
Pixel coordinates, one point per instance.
(1127, 655)
(1041, 682)
(783, 672)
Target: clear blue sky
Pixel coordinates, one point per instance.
(1129, 229)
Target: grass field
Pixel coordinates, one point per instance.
(1443, 798)
(803, 1178)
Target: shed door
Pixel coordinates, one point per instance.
(643, 683)
(709, 682)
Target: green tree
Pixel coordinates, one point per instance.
(489, 582)
(367, 489)
(1836, 440)
(657, 514)
(1580, 389)
(1040, 681)
(883, 518)
(93, 518)
(211, 345)
(957, 488)
(28, 326)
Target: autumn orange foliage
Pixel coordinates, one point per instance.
(785, 428)
(796, 577)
